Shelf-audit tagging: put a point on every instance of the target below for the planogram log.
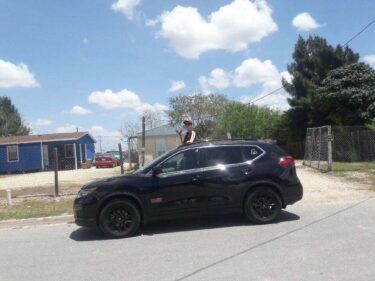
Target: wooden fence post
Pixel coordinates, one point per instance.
(56, 191)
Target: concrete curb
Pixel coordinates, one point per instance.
(14, 223)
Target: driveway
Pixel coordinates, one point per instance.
(322, 241)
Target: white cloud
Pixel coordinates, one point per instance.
(127, 7)
(176, 86)
(370, 59)
(41, 122)
(123, 99)
(218, 78)
(109, 100)
(100, 131)
(69, 128)
(94, 130)
(305, 22)
(146, 107)
(79, 110)
(252, 72)
(150, 22)
(16, 75)
(85, 41)
(232, 27)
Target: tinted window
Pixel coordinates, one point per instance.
(212, 156)
(251, 152)
(185, 160)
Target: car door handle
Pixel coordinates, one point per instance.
(196, 178)
(246, 171)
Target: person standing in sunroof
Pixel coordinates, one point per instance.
(190, 134)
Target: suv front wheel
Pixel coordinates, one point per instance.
(262, 205)
(119, 218)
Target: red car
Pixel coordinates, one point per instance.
(105, 160)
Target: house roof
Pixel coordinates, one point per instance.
(43, 138)
(165, 130)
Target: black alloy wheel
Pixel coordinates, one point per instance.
(120, 218)
(262, 205)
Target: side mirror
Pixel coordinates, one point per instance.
(156, 171)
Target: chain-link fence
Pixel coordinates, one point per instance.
(328, 145)
(318, 148)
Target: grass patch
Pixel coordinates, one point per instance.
(37, 208)
(353, 167)
(362, 172)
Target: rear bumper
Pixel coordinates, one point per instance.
(292, 193)
(104, 163)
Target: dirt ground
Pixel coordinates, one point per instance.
(318, 187)
(43, 182)
(327, 187)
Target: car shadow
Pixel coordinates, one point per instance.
(189, 224)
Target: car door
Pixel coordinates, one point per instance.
(229, 170)
(178, 189)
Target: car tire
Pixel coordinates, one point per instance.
(120, 218)
(262, 205)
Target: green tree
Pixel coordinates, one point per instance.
(10, 120)
(244, 121)
(347, 95)
(313, 59)
(203, 109)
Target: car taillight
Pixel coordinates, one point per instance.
(286, 160)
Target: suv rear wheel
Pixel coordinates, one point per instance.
(262, 205)
(119, 218)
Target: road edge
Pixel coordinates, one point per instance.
(19, 223)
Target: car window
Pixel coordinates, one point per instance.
(184, 160)
(251, 152)
(224, 155)
(213, 156)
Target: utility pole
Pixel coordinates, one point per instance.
(100, 144)
(143, 141)
(56, 156)
(121, 159)
(130, 154)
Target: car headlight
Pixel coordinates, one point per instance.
(85, 192)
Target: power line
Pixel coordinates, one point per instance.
(350, 40)
(360, 32)
(262, 97)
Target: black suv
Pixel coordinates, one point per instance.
(255, 178)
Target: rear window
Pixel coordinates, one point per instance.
(224, 155)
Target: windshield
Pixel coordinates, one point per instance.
(149, 165)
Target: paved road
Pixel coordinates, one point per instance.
(333, 241)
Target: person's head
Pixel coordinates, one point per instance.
(189, 125)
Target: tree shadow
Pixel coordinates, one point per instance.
(180, 225)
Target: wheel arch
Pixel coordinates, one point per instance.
(127, 196)
(266, 183)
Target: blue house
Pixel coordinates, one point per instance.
(36, 152)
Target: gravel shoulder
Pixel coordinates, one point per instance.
(327, 187)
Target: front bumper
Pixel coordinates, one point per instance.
(84, 215)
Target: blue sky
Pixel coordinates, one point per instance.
(97, 64)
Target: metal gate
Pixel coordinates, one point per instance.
(318, 148)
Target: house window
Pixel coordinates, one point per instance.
(69, 150)
(12, 153)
